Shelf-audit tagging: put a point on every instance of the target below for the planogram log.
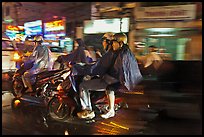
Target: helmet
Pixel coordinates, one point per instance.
(28, 38)
(38, 38)
(121, 37)
(108, 35)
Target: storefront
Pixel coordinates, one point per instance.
(95, 29)
(172, 29)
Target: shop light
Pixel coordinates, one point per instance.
(160, 29)
(162, 35)
(68, 38)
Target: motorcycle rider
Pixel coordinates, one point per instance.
(119, 68)
(78, 55)
(40, 60)
(94, 84)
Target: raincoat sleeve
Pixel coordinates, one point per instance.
(99, 68)
(102, 65)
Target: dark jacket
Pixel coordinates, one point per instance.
(121, 65)
(75, 56)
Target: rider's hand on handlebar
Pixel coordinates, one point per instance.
(15, 75)
(87, 77)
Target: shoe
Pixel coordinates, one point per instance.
(86, 114)
(108, 114)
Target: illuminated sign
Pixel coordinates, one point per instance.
(14, 28)
(54, 25)
(15, 32)
(115, 25)
(54, 29)
(33, 28)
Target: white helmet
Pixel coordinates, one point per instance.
(121, 37)
(38, 38)
(108, 36)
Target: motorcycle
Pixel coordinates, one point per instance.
(43, 89)
(66, 103)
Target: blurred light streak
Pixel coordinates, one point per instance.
(107, 124)
(119, 125)
(106, 132)
(135, 92)
(112, 131)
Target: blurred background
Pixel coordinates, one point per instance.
(165, 37)
(175, 28)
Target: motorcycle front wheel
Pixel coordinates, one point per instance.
(58, 110)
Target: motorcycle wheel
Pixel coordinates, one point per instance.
(57, 110)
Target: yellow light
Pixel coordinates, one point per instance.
(28, 53)
(16, 56)
(136, 92)
(59, 87)
(17, 102)
(119, 125)
(66, 132)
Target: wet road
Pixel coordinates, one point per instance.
(136, 120)
(29, 120)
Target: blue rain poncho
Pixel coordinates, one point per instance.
(128, 69)
(40, 59)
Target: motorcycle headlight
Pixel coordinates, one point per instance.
(16, 56)
(17, 102)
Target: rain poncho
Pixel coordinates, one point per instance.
(128, 69)
(121, 65)
(41, 59)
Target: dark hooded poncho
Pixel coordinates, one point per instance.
(127, 68)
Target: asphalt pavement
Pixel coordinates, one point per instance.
(139, 119)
